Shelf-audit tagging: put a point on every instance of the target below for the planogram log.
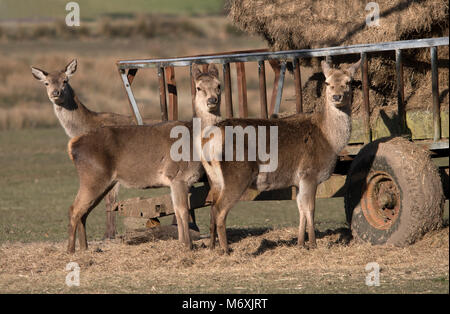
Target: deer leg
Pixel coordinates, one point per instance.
(306, 198)
(221, 225)
(212, 228)
(82, 239)
(213, 213)
(179, 194)
(301, 228)
(110, 199)
(232, 190)
(87, 198)
(71, 230)
(78, 209)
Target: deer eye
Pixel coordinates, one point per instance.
(46, 84)
(198, 89)
(327, 84)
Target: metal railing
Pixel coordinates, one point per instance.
(278, 61)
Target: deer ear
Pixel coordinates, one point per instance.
(38, 73)
(71, 68)
(353, 68)
(325, 68)
(196, 72)
(212, 70)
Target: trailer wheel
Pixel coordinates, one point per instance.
(394, 193)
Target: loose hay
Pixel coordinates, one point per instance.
(165, 266)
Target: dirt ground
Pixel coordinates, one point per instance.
(262, 261)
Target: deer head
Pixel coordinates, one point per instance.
(56, 82)
(338, 90)
(207, 85)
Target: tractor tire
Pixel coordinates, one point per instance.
(394, 193)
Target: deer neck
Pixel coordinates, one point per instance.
(207, 118)
(336, 126)
(74, 117)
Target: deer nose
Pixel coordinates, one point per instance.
(337, 97)
(56, 93)
(212, 100)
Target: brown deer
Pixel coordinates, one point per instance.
(77, 119)
(126, 155)
(308, 146)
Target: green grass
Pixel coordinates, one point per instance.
(89, 10)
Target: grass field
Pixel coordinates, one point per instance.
(38, 183)
(46, 9)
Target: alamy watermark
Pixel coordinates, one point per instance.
(373, 275)
(73, 277)
(73, 17)
(373, 18)
(213, 144)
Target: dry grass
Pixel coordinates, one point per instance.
(270, 262)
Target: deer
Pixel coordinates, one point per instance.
(126, 155)
(77, 119)
(308, 147)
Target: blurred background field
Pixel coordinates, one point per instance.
(34, 33)
(39, 9)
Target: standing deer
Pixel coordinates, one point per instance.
(126, 155)
(308, 147)
(76, 120)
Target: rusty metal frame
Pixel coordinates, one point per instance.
(278, 61)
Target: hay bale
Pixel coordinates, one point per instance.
(299, 24)
(303, 24)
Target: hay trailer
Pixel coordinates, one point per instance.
(385, 200)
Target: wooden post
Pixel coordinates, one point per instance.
(262, 89)
(162, 93)
(275, 64)
(400, 91)
(193, 91)
(242, 89)
(172, 90)
(298, 87)
(365, 87)
(435, 91)
(228, 97)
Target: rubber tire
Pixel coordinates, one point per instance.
(421, 194)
